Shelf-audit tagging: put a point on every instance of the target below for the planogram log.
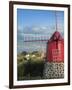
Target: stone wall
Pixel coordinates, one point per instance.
(53, 70)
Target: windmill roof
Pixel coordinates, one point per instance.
(56, 36)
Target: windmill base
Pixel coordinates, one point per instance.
(53, 70)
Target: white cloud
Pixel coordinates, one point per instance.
(35, 33)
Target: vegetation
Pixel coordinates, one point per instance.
(30, 65)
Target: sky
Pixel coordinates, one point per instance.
(37, 24)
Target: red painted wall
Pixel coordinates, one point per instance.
(55, 50)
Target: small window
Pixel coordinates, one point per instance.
(56, 52)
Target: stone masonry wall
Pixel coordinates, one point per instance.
(53, 70)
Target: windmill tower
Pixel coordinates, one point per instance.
(55, 48)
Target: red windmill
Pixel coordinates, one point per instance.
(55, 46)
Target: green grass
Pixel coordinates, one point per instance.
(30, 70)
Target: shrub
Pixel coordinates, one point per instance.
(30, 70)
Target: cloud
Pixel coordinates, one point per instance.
(34, 33)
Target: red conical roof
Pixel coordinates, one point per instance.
(56, 36)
